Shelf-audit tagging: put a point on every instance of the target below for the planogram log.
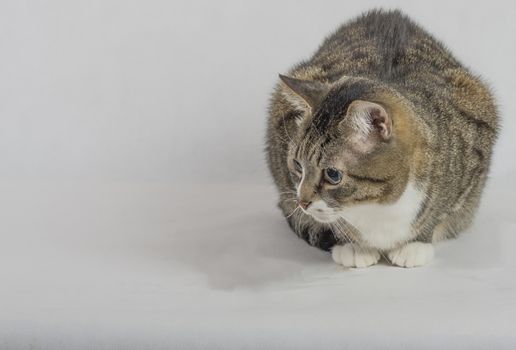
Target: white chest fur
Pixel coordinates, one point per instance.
(384, 226)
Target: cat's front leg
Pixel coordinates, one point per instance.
(412, 254)
(353, 255)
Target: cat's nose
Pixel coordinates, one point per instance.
(304, 204)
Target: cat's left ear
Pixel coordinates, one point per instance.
(304, 94)
(369, 122)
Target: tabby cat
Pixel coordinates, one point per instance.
(380, 143)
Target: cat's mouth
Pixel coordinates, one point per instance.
(321, 215)
(321, 212)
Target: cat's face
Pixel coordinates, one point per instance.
(346, 153)
(330, 179)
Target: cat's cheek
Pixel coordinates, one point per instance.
(296, 179)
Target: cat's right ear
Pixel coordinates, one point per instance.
(304, 94)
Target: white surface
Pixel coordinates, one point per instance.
(136, 210)
(138, 266)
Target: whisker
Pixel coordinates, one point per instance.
(289, 199)
(343, 231)
(382, 254)
(292, 192)
(286, 217)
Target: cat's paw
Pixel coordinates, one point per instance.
(352, 255)
(412, 254)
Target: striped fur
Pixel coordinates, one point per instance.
(444, 126)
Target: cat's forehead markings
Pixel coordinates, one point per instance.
(313, 150)
(319, 157)
(296, 153)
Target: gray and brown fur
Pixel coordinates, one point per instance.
(444, 119)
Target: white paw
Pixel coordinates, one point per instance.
(412, 254)
(352, 255)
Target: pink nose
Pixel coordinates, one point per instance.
(304, 204)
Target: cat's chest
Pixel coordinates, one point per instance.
(384, 226)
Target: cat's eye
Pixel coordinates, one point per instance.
(333, 176)
(297, 166)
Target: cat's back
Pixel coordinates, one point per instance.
(384, 45)
(389, 47)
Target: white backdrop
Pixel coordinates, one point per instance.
(178, 90)
(136, 209)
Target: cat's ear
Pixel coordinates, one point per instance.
(369, 124)
(304, 94)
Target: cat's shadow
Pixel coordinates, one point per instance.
(248, 251)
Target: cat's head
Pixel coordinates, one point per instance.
(353, 144)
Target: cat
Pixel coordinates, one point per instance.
(380, 143)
